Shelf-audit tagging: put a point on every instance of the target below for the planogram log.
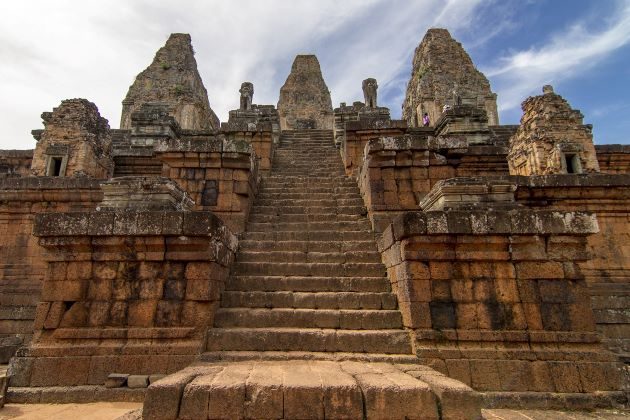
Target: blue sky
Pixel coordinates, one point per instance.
(51, 51)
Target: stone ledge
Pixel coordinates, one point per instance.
(217, 144)
(136, 223)
(612, 148)
(50, 183)
(73, 394)
(554, 401)
(371, 124)
(475, 222)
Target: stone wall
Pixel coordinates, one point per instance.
(173, 79)
(22, 267)
(551, 139)
(15, 163)
(607, 272)
(399, 171)
(76, 141)
(443, 74)
(304, 98)
(356, 134)
(220, 175)
(613, 158)
(497, 300)
(125, 292)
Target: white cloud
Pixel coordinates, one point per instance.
(567, 54)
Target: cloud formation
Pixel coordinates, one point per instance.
(568, 53)
(63, 49)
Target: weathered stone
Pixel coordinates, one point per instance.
(551, 139)
(116, 380)
(76, 141)
(304, 98)
(173, 79)
(138, 381)
(443, 74)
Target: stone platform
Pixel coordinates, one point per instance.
(310, 390)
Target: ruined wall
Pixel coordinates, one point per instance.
(173, 79)
(551, 139)
(613, 158)
(304, 98)
(15, 163)
(136, 290)
(496, 299)
(218, 174)
(399, 171)
(442, 72)
(22, 266)
(76, 141)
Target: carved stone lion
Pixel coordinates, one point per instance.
(247, 93)
(369, 92)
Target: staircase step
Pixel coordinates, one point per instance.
(309, 300)
(347, 226)
(304, 218)
(353, 210)
(347, 319)
(307, 246)
(324, 235)
(268, 356)
(309, 257)
(309, 269)
(308, 284)
(309, 339)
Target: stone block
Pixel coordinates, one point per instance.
(138, 381)
(116, 380)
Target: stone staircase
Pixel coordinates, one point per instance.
(308, 279)
(308, 327)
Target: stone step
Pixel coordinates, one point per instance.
(266, 188)
(309, 300)
(290, 195)
(291, 256)
(307, 246)
(271, 209)
(292, 390)
(304, 218)
(306, 202)
(269, 356)
(346, 319)
(303, 236)
(309, 269)
(309, 339)
(277, 283)
(309, 226)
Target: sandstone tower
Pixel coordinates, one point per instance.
(442, 72)
(304, 98)
(173, 79)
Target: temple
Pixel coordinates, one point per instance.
(299, 261)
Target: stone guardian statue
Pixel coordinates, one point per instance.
(369, 92)
(247, 94)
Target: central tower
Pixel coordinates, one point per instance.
(304, 98)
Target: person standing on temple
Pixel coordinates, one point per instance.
(425, 120)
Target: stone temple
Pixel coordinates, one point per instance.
(302, 262)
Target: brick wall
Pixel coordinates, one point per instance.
(22, 267)
(497, 299)
(126, 292)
